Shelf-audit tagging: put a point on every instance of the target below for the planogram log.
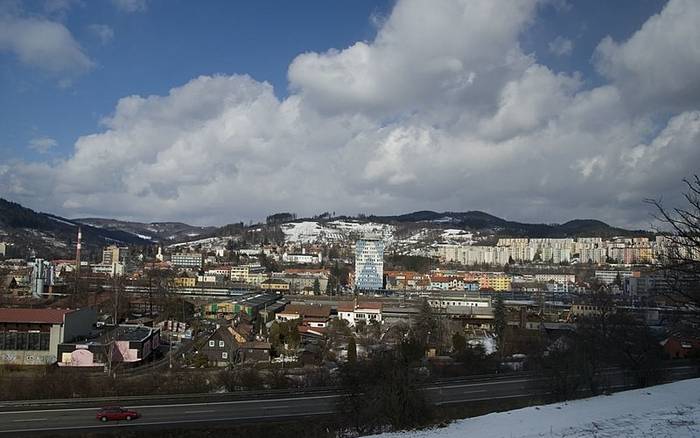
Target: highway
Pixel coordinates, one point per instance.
(37, 417)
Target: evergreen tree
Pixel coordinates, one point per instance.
(352, 350)
(459, 343)
(317, 287)
(426, 325)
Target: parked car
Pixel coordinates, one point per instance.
(109, 413)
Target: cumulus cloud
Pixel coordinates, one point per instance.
(658, 66)
(44, 44)
(42, 144)
(102, 31)
(561, 46)
(422, 55)
(442, 110)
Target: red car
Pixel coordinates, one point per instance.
(116, 413)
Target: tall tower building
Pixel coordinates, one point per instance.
(369, 263)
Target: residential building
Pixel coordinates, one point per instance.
(185, 281)
(495, 282)
(609, 277)
(115, 254)
(32, 336)
(302, 259)
(311, 315)
(369, 264)
(354, 312)
(275, 285)
(221, 348)
(251, 274)
(112, 270)
(187, 260)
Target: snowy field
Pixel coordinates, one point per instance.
(671, 410)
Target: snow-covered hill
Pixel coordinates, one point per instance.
(671, 410)
(328, 232)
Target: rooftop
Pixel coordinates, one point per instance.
(35, 316)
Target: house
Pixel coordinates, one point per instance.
(354, 311)
(32, 336)
(255, 351)
(679, 346)
(274, 284)
(310, 314)
(221, 348)
(242, 332)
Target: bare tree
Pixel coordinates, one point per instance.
(679, 250)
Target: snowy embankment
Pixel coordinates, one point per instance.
(671, 410)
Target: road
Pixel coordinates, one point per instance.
(22, 419)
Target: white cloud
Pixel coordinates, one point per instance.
(131, 5)
(42, 144)
(442, 110)
(41, 43)
(102, 31)
(658, 66)
(422, 55)
(561, 46)
(60, 8)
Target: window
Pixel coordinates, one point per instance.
(224, 355)
(212, 343)
(221, 344)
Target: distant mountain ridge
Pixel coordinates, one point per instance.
(479, 220)
(54, 236)
(49, 235)
(154, 231)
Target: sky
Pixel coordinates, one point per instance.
(223, 111)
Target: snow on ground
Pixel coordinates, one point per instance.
(671, 410)
(312, 232)
(457, 235)
(207, 243)
(61, 221)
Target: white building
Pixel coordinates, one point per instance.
(303, 258)
(112, 270)
(188, 260)
(369, 264)
(354, 312)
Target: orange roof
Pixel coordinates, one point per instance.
(35, 316)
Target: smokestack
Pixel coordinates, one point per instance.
(77, 259)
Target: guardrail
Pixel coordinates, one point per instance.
(689, 370)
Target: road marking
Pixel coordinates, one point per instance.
(155, 423)
(483, 399)
(183, 405)
(200, 412)
(30, 419)
(502, 382)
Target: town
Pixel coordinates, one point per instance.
(370, 218)
(316, 291)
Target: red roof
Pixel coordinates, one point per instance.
(35, 316)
